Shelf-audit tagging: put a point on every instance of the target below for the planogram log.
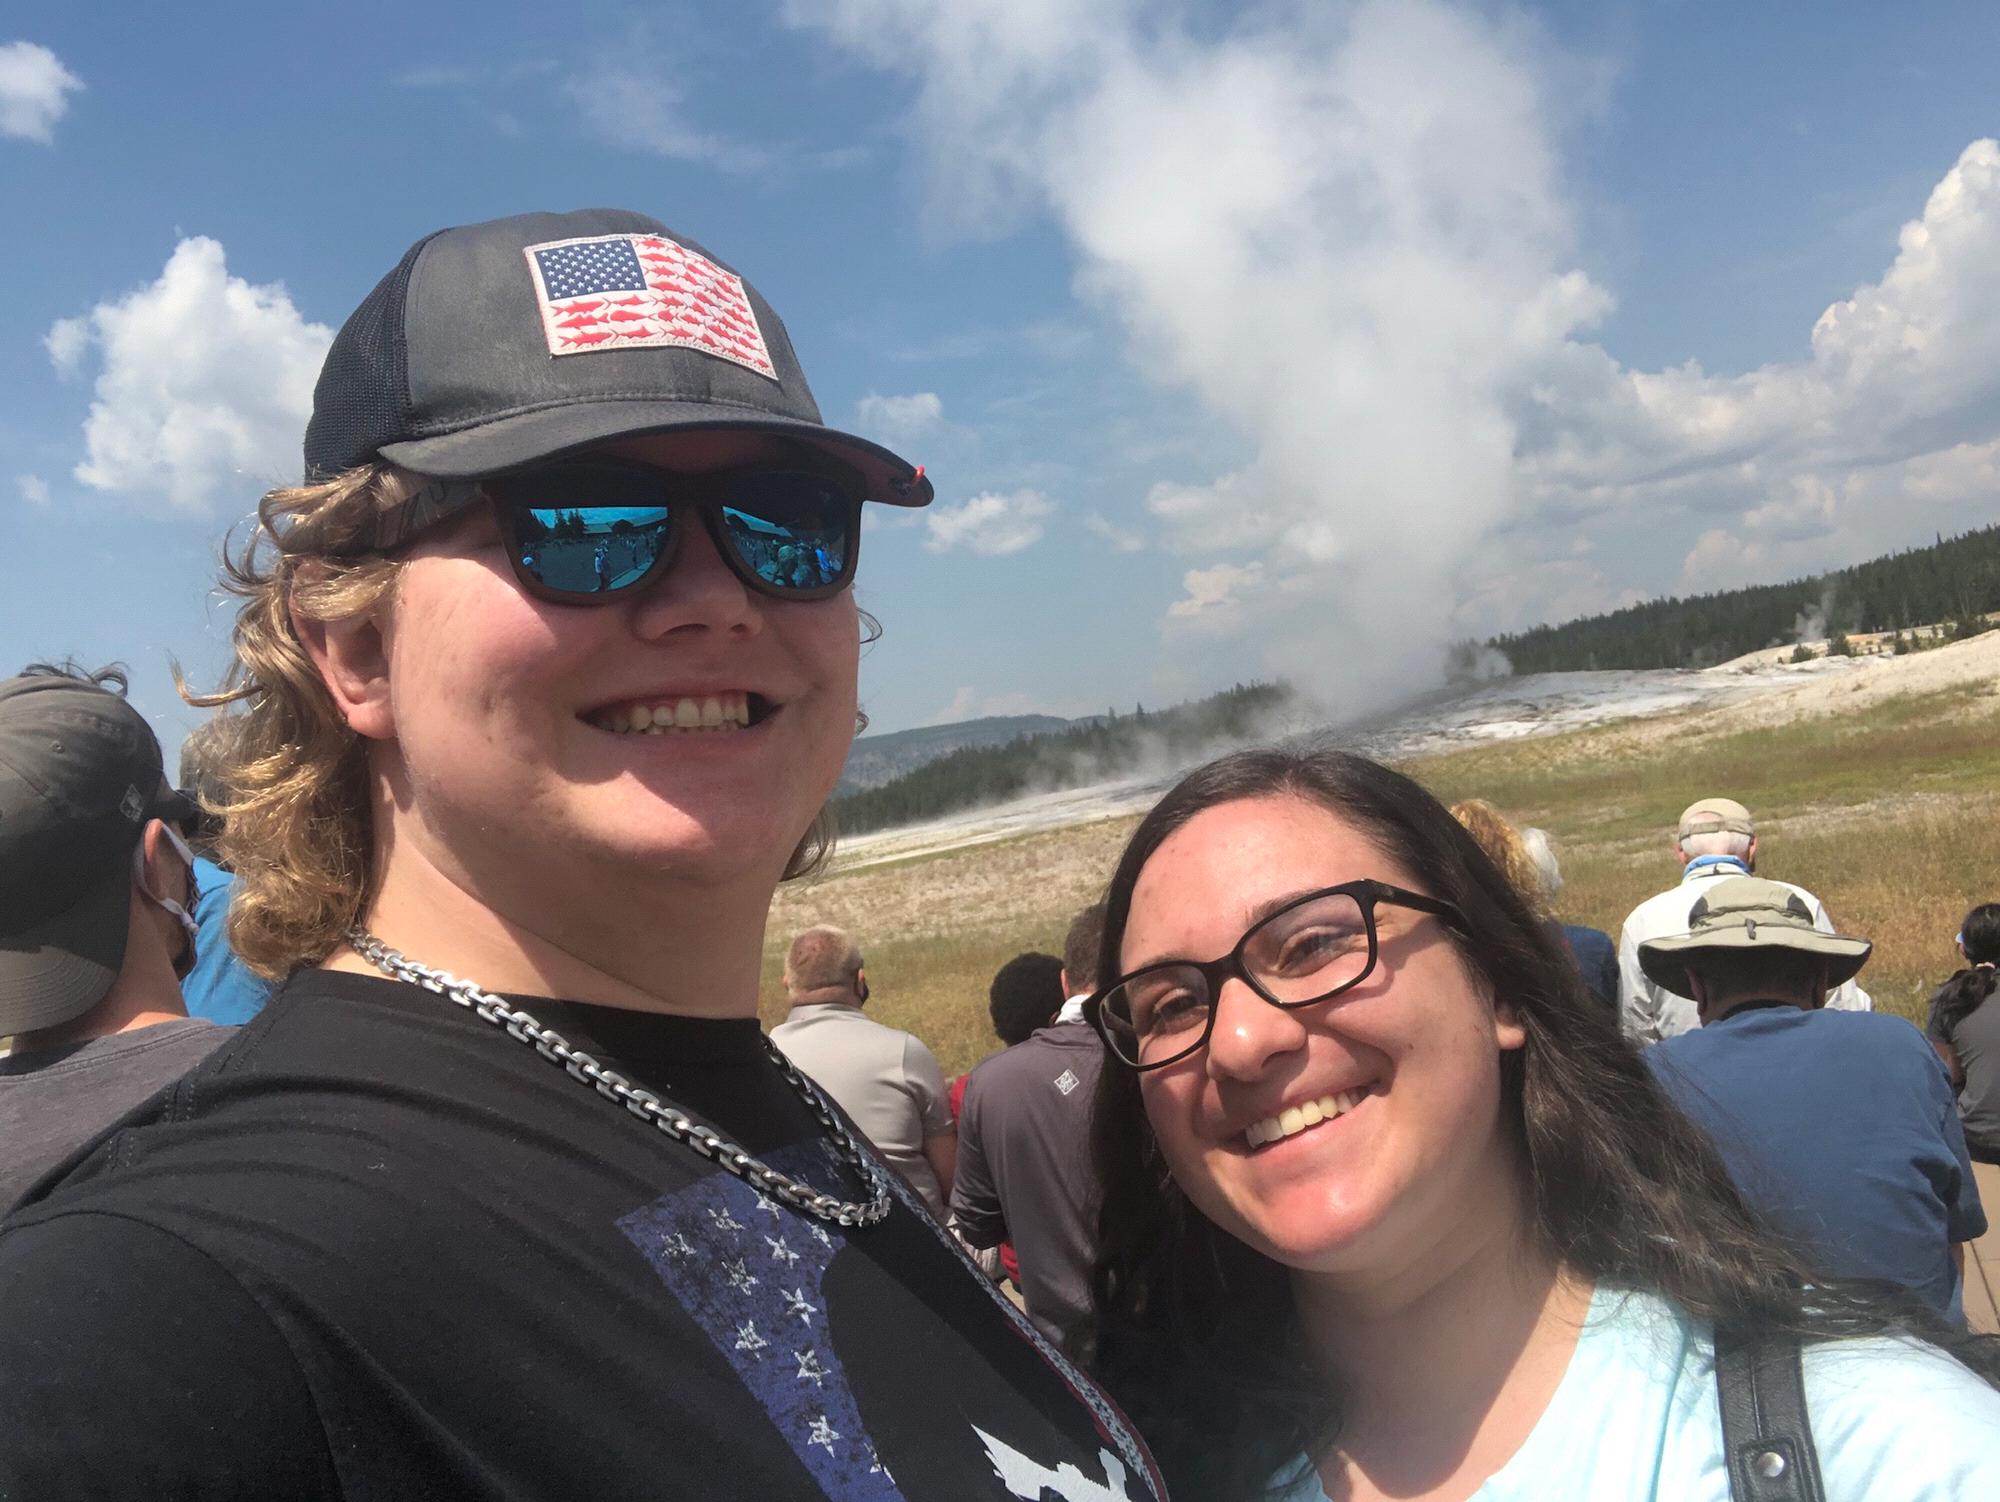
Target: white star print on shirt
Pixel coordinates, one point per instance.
(780, 1251)
(823, 1433)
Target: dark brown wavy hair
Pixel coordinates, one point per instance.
(1197, 1334)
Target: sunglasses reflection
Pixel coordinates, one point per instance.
(599, 550)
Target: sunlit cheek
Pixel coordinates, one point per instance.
(471, 667)
(836, 648)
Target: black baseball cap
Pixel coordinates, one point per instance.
(494, 345)
(80, 775)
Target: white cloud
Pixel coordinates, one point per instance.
(1341, 228)
(1346, 231)
(1215, 592)
(897, 420)
(1906, 367)
(1122, 539)
(34, 91)
(34, 489)
(995, 74)
(1233, 511)
(204, 386)
(963, 706)
(1510, 588)
(1888, 430)
(643, 111)
(67, 341)
(1811, 518)
(991, 525)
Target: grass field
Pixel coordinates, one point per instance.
(1888, 814)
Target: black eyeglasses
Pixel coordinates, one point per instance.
(585, 531)
(1312, 948)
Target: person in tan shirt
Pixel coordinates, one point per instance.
(886, 1079)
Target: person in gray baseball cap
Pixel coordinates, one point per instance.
(94, 924)
(1838, 1126)
(543, 676)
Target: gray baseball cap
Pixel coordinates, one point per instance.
(494, 345)
(79, 777)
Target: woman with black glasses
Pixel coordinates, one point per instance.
(1391, 1210)
(542, 678)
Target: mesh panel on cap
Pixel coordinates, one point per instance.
(362, 400)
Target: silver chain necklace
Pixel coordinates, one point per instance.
(644, 1104)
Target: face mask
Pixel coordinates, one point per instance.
(181, 915)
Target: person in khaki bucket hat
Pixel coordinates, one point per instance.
(1837, 1126)
(1746, 934)
(1714, 841)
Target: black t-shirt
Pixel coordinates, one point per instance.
(377, 1248)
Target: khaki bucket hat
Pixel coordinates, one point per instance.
(1748, 915)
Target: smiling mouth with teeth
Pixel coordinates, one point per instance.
(1295, 1119)
(697, 713)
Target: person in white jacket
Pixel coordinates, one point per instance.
(1715, 839)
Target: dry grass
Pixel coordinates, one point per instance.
(1887, 813)
(934, 928)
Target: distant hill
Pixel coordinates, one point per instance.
(1955, 579)
(877, 759)
(1078, 754)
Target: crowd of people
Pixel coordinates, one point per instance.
(387, 1112)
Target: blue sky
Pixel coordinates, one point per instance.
(1286, 338)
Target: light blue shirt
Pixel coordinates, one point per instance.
(1636, 1419)
(221, 987)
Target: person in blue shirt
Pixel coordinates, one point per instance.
(1391, 1209)
(220, 987)
(1839, 1127)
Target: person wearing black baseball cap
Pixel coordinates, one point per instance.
(94, 924)
(544, 675)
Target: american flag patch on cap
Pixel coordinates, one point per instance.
(643, 291)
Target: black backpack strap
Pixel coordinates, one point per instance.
(1766, 1438)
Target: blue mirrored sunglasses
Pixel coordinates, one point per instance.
(586, 531)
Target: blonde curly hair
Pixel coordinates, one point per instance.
(1502, 843)
(290, 778)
